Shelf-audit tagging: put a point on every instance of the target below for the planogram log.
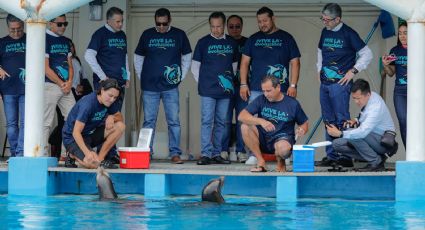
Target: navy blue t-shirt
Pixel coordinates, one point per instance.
(241, 45)
(162, 64)
(89, 111)
(400, 64)
(339, 50)
(216, 73)
(270, 55)
(58, 49)
(283, 114)
(111, 55)
(12, 60)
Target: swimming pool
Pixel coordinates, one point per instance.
(133, 212)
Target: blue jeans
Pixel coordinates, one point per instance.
(400, 105)
(334, 101)
(170, 99)
(237, 104)
(14, 109)
(213, 118)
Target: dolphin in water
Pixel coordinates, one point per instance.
(212, 191)
(104, 185)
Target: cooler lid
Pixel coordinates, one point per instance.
(133, 149)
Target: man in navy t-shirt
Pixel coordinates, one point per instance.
(213, 67)
(336, 66)
(106, 53)
(270, 51)
(273, 130)
(234, 29)
(12, 83)
(162, 59)
(94, 120)
(59, 74)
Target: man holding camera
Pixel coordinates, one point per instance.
(365, 141)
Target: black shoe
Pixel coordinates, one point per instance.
(345, 162)
(204, 161)
(371, 168)
(69, 162)
(107, 164)
(326, 162)
(219, 160)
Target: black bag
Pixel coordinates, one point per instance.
(388, 139)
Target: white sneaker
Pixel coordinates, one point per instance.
(225, 155)
(251, 161)
(242, 157)
(233, 157)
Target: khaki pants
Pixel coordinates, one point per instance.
(54, 96)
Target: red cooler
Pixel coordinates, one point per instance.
(134, 157)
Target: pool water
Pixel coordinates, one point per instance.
(133, 212)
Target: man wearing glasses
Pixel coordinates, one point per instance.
(161, 60)
(234, 29)
(59, 74)
(270, 51)
(12, 83)
(336, 66)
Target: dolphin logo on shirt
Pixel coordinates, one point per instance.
(402, 81)
(172, 74)
(225, 83)
(332, 72)
(22, 75)
(62, 72)
(278, 71)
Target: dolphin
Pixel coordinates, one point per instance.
(104, 185)
(212, 191)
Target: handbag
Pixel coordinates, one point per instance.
(388, 139)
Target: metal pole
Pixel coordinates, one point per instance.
(34, 88)
(415, 92)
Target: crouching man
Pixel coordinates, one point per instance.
(94, 120)
(273, 130)
(364, 142)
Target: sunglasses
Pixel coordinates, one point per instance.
(327, 19)
(60, 24)
(234, 27)
(161, 23)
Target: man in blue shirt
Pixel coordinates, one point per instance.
(12, 84)
(270, 51)
(364, 142)
(59, 74)
(106, 53)
(272, 130)
(234, 28)
(161, 60)
(336, 66)
(213, 67)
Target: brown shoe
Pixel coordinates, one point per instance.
(176, 160)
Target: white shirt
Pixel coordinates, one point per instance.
(375, 118)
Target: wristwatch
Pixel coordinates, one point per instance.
(293, 85)
(354, 70)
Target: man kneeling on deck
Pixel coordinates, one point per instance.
(95, 119)
(364, 142)
(273, 130)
